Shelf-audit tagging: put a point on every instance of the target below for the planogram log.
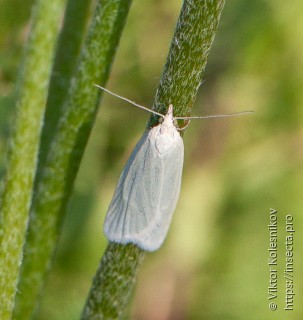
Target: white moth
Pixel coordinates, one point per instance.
(149, 185)
(148, 189)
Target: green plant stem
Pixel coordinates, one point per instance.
(67, 148)
(185, 64)
(180, 81)
(68, 50)
(18, 187)
(116, 276)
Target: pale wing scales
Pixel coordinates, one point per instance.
(132, 206)
(115, 217)
(172, 165)
(148, 189)
(147, 192)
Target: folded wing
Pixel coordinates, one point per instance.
(146, 195)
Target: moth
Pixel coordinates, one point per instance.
(149, 185)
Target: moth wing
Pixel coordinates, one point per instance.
(134, 200)
(172, 166)
(146, 196)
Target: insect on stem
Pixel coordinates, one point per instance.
(148, 188)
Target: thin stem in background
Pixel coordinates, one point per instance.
(67, 148)
(24, 144)
(68, 51)
(68, 48)
(182, 76)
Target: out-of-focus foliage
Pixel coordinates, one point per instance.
(214, 262)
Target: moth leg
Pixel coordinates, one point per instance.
(185, 126)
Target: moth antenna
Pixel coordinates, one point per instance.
(129, 101)
(214, 116)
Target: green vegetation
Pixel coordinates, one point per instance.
(213, 264)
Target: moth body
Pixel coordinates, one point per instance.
(148, 188)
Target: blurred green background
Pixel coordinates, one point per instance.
(213, 264)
